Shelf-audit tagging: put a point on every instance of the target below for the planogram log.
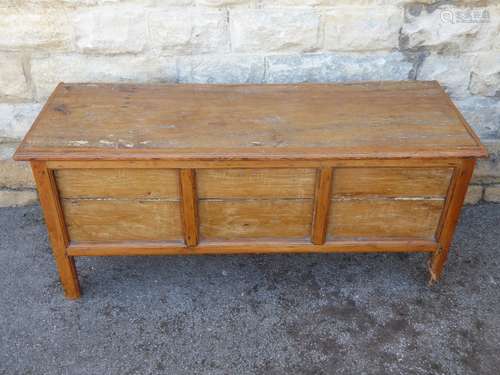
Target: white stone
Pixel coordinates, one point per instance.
(189, 31)
(110, 29)
(474, 194)
(492, 193)
(48, 71)
(221, 69)
(330, 3)
(220, 3)
(16, 119)
(14, 198)
(337, 67)
(13, 174)
(261, 30)
(442, 27)
(22, 28)
(12, 80)
(453, 72)
(362, 28)
(485, 76)
(487, 171)
(483, 114)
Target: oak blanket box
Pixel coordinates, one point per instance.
(125, 169)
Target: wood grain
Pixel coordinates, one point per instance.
(253, 247)
(456, 199)
(118, 183)
(189, 206)
(256, 183)
(392, 182)
(384, 218)
(239, 219)
(363, 120)
(321, 205)
(115, 220)
(54, 219)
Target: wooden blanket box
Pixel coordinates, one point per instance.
(124, 169)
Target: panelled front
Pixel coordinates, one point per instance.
(233, 204)
(120, 204)
(255, 203)
(387, 203)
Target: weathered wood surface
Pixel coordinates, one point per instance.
(392, 182)
(118, 183)
(243, 219)
(322, 121)
(256, 183)
(384, 218)
(122, 220)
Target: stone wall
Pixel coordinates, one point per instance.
(43, 42)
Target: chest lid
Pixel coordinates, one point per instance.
(249, 122)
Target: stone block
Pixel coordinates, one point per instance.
(48, 71)
(14, 198)
(221, 69)
(492, 193)
(110, 29)
(449, 27)
(16, 119)
(189, 31)
(13, 83)
(337, 67)
(261, 30)
(362, 28)
(474, 194)
(24, 28)
(485, 75)
(487, 171)
(452, 72)
(483, 114)
(13, 174)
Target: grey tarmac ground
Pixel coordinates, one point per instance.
(248, 314)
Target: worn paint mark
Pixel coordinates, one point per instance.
(167, 126)
(105, 142)
(78, 143)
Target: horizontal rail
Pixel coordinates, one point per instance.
(251, 247)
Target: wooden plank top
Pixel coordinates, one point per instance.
(249, 122)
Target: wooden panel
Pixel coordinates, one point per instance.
(116, 220)
(382, 218)
(392, 182)
(256, 183)
(126, 121)
(118, 183)
(236, 219)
